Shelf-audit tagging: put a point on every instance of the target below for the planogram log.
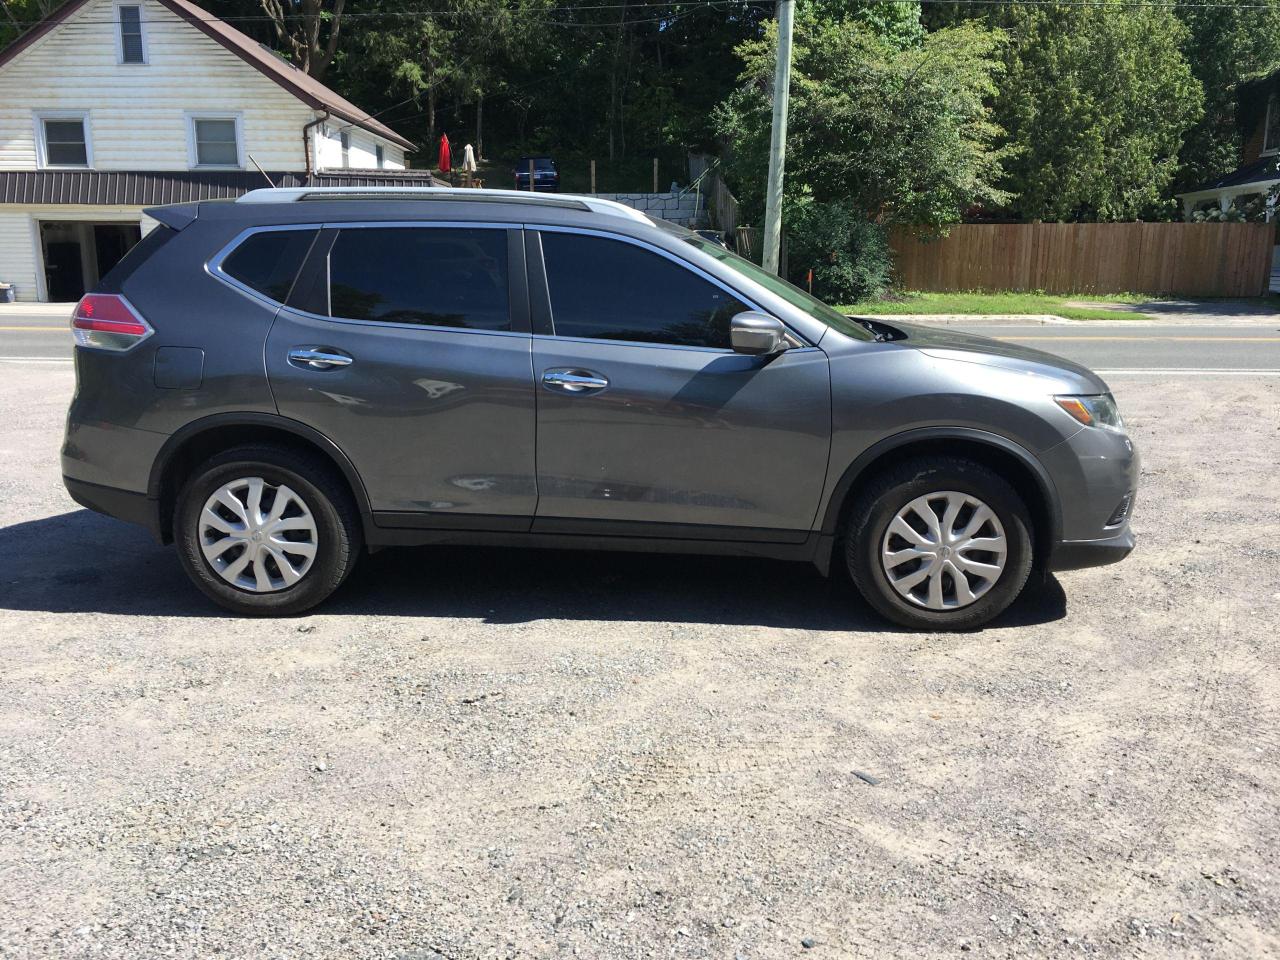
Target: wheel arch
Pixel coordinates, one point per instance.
(1007, 457)
(203, 438)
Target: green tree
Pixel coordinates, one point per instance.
(1096, 100)
(17, 15)
(308, 30)
(900, 133)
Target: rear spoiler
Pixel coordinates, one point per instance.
(174, 215)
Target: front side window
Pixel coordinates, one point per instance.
(65, 141)
(269, 261)
(434, 276)
(131, 49)
(774, 284)
(605, 289)
(216, 141)
(1271, 137)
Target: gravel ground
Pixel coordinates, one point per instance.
(482, 753)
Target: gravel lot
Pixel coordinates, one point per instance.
(482, 753)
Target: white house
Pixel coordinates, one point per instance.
(1258, 119)
(110, 106)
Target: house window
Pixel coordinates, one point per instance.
(378, 156)
(344, 138)
(1271, 136)
(63, 140)
(215, 141)
(131, 46)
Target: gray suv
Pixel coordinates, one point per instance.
(280, 382)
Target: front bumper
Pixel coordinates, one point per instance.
(1095, 472)
(122, 504)
(1079, 554)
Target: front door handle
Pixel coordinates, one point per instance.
(569, 380)
(318, 358)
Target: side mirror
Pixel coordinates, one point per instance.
(757, 334)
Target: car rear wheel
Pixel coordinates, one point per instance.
(939, 544)
(265, 530)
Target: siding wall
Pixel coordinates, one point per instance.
(138, 112)
(19, 238)
(18, 255)
(361, 156)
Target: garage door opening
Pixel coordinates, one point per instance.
(77, 254)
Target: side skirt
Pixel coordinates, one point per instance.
(390, 530)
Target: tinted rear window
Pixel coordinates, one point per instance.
(269, 261)
(434, 276)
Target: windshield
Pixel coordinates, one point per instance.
(781, 288)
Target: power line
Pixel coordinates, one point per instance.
(684, 8)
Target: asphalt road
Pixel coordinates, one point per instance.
(37, 333)
(1109, 348)
(1117, 349)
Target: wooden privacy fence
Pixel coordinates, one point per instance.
(1182, 259)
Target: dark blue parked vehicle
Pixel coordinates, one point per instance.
(546, 177)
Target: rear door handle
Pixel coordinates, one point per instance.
(318, 358)
(569, 380)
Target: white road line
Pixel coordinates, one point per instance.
(36, 360)
(1193, 372)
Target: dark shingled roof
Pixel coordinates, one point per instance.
(306, 88)
(154, 188)
(1260, 171)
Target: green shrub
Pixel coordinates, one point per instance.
(848, 254)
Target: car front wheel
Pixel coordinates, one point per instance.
(266, 530)
(939, 544)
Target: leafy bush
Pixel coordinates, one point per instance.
(1216, 214)
(848, 254)
(1251, 208)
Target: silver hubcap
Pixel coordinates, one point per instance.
(944, 550)
(258, 536)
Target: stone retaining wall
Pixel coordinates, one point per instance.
(683, 209)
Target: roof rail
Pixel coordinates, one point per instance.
(569, 201)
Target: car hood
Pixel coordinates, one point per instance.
(947, 344)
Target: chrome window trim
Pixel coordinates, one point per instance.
(806, 348)
(214, 268)
(802, 341)
(385, 324)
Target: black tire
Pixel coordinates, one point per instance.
(879, 502)
(325, 494)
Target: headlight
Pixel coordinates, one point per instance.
(1095, 411)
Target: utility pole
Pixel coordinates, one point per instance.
(778, 138)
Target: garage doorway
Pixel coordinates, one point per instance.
(78, 253)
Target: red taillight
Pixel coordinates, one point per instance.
(107, 321)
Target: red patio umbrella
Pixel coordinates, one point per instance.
(446, 159)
